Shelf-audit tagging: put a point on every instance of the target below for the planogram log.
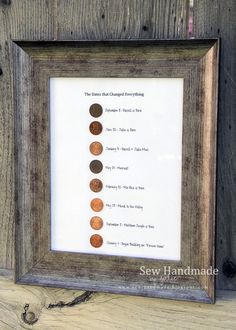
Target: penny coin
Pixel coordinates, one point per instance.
(95, 110)
(96, 148)
(96, 166)
(96, 223)
(96, 240)
(95, 127)
(96, 185)
(96, 204)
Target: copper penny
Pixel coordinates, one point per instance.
(96, 240)
(96, 223)
(96, 148)
(96, 166)
(95, 110)
(95, 128)
(96, 185)
(96, 204)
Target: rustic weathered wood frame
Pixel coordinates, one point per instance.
(34, 63)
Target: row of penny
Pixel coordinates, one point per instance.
(96, 167)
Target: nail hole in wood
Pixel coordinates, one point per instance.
(229, 268)
(6, 2)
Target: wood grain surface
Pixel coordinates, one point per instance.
(63, 20)
(122, 19)
(101, 19)
(22, 19)
(110, 311)
(218, 18)
(35, 62)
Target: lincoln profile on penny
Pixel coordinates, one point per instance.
(96, 204)
(96, 148)
(95, 128)
(96, 240)
(96, 166)
(96, 185)
(95, 110)
(96, 222)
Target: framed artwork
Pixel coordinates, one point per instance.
(115, 146)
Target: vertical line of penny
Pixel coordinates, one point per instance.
(96, 167)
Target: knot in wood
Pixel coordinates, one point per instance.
(30, 317)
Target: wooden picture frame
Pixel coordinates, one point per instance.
(34, 63)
